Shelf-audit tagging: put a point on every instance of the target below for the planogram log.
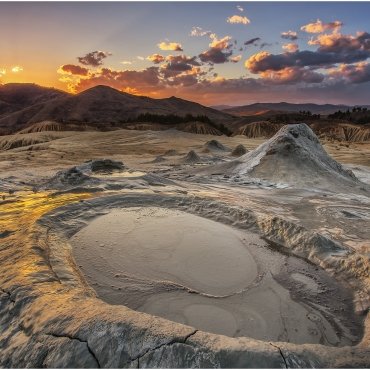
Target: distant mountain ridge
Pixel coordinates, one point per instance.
(278, 108)
(101, 105)
(28, 108)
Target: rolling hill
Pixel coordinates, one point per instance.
(17, 96)
(100, 105)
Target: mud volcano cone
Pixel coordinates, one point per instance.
(192, 157)
(293, 156)
(67, 178)
(239, 151)
(214, 145)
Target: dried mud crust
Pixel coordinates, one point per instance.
(49, 313)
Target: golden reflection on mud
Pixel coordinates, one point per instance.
(23, 209)
(18, 216)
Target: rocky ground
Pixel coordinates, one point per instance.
(51, 188)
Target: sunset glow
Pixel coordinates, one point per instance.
(213, 53)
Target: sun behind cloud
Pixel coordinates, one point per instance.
(17, 69)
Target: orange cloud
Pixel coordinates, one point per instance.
(319, 26)
(255, 60)
(141, 82)
(290, 48)
(238, 19)
(182, 59)
(187, 77)
(130, 90)
(291, 75)
(156, 58)
(72, 69)
(173, 46)
(219, 50)
(353, 73)
(180, 69)
(338, 43)
(220, 44)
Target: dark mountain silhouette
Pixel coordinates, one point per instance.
(100, 105)
(17, 96)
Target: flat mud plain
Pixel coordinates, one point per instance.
(154, 266)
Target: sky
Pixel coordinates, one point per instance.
(213, 53)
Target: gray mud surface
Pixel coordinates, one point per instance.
(297, 219)
(219, 279)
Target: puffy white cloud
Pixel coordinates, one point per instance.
(238, 19)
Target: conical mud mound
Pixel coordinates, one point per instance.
(215, 146)
(293, 156)
(239, 151)
(191, 158)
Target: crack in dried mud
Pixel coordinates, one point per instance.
(79, 340)
(281, 354)
(168, 344)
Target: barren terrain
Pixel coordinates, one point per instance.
(178, 259)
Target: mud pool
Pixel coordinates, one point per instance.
(214, 277)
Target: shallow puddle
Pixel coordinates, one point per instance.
(213, 277)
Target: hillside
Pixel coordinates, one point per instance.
(16, 96)
(283, 107)
(100, 105)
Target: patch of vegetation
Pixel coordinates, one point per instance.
(172, 119)
(222, 128)
(298, 117)
(356, 115)
(168, 118)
